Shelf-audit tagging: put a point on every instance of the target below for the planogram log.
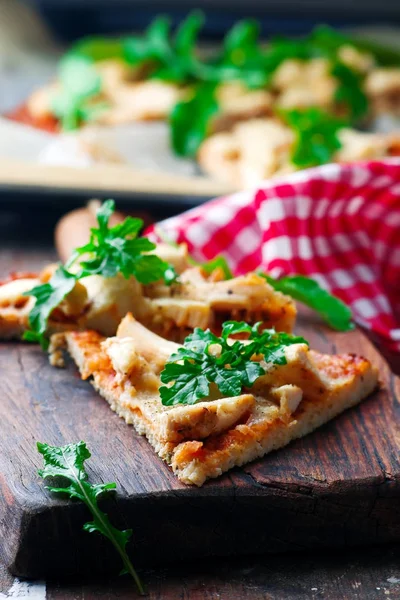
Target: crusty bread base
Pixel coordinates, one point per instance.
(246, 443)
(195, 461)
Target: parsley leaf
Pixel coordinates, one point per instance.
(350, 90)
(190, 120)
(67, 463)
(172, 58)
(219, 262)
(304, 289)
(80, 84)
(98, 48)
(207, 359)
(113, 250)
(48, 297)
(316, 136)
(243, 58)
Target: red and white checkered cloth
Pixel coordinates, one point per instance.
(339, 224)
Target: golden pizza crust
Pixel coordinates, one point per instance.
(204, 440)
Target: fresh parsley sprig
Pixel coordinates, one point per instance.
(77, 100)
(111, 250)
(48, 296)
(190, 120)
(219, 262)
(67, 463)
(316, 133)
(117, 249)
(161, 53)
(206, 359)
(166, 56)
(306, 290)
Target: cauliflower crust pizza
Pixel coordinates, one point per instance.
(202, 363)
(207, 438)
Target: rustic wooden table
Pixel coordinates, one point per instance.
(366, 573)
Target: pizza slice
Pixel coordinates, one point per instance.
(295, 392)
(199, 299)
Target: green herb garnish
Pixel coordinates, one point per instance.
(219, 262)
(190, 120)
(316, 136)
(350, 92)
(48, 297)
(67, 462)
(306, 290)
(167, 57)
(111, 250)
(242, 57)
(206, 359)
(161, 53)
(97, 48)
(76, 101)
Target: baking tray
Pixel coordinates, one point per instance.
(24, 180)
(29, 183)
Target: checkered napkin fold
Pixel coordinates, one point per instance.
(339, 224)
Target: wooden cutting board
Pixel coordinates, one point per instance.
(339, 486)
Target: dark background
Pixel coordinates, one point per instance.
(76, 18)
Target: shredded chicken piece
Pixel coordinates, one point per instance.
(304, 83)
(237, 103)
(382, 86)
(262, 148)
(357, 145)
(255, 150)
(141, 101)
(355, 59)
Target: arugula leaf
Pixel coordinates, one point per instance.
(350, 90)
(67, 462)
(80, 84)
(190, 120)
(113, 250)
(151, 45)
(230, 365)
(97, 48)
(243, 58)
(328, 40)
(172, 58)
(48, 297)
(187, 33)
(181, 63)
(316, 135)
(304, 289)
(219, 262)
